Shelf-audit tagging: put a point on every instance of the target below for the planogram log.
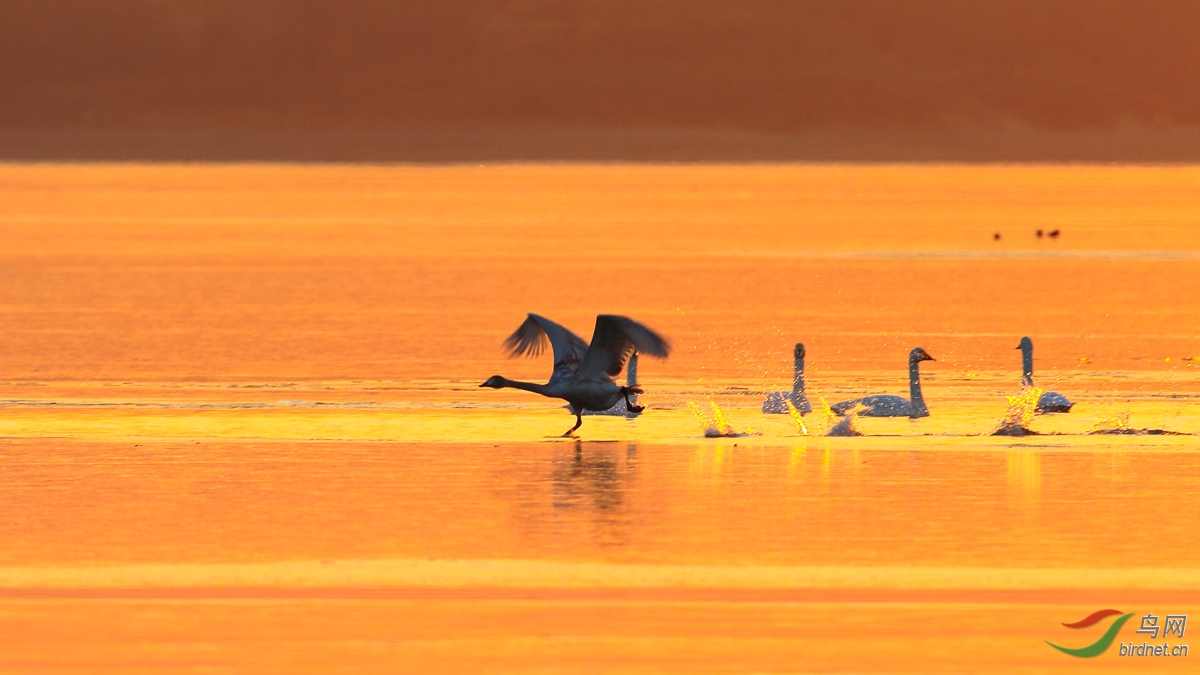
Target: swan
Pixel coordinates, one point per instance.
(774, 403)
(583, 374)
(894, 406)
(1050, 401)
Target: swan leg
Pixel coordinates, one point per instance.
(578, 423)
(630, 405)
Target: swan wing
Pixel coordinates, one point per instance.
(615, 338)
(531, 337)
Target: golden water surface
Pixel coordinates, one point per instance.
(241, 428)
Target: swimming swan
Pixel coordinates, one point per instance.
(1050, 401)
(775, 401)
(583, 374)
(894, 406)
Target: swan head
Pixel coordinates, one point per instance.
(495, 382)
(1026, 343)
(798, 352)
(918, 354)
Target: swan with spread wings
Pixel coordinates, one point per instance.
(583, 374)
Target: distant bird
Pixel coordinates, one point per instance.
(894, 406)
(996, 237)
(1050, 401)
(1054, 234)
(1039, 234)
(775, 401)
(583, 374)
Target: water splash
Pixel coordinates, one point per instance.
(1118, 425)
(796, 417)
(830, 416)
(823, 419)
(717, 426)
(722, 427)
(704, 420)
(846, 426)
(1021, 410)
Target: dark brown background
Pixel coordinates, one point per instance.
(429, 80)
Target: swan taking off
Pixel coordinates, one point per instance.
(894, 406)
(583, 374)
(1050, 401)
(775, 402)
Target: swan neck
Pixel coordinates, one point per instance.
(914, 387)
(1027, 367)
(527, 386)
(798, 377)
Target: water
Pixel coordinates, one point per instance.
(241, 429)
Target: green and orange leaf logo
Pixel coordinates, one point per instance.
(1096, 648)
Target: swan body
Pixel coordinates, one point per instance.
(893, 406)
(583, 373)
(775, 402)
(1053, 402)
(1050, 401)
(880, 405)
(621, 408)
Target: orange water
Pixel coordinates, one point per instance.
(241, 429)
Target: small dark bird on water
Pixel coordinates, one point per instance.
(996, 237)
(1039, 234)
(1054, 234)
(583, 374)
